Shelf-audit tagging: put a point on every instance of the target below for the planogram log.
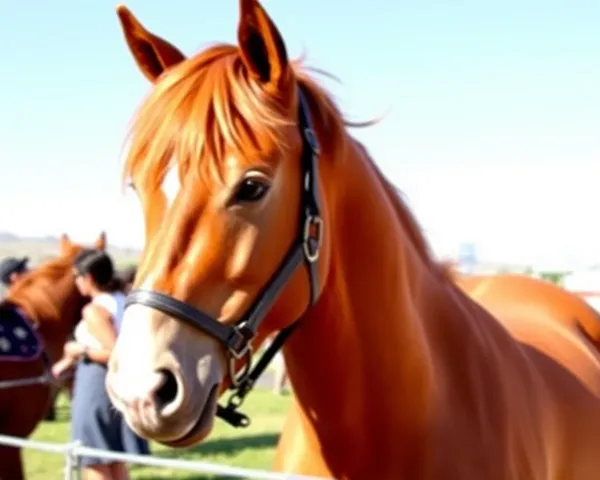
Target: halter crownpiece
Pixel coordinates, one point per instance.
(237, 337)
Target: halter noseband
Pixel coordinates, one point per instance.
(237, 337)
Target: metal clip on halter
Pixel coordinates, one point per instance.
(232, 416)
(230, 412)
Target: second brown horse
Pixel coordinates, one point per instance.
(47, 302)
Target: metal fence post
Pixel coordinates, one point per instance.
(72, 462)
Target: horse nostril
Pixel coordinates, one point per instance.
(167, 392)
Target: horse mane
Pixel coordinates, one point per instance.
(411, 226)
(31, 292)
(207, 105)
(450, 269)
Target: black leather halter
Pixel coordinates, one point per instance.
(237, 337)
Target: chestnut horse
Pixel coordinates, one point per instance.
(514, 295)
(48, 300)
(280, 214)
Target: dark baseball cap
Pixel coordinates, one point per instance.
(10, 265)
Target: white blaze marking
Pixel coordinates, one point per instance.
(171, 186)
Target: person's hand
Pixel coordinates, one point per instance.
(62, 366)
(73, 350)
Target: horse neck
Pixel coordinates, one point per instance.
(53, 309)
(393, 356)
(360, 362)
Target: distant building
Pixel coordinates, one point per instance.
(467, 257)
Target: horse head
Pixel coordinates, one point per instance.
(223, 160)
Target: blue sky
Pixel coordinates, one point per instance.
(493, 130)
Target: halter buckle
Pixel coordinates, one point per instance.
(311, 138)
(238, 343)
(312, 237)
(238, 378)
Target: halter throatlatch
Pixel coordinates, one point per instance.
(237, 337)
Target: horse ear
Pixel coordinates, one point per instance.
(101, 241)
(152, 54)
(64, 244)
(261, 46)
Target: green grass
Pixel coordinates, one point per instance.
(252, 447)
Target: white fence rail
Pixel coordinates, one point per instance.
(74, 451)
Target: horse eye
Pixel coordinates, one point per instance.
(251, 190)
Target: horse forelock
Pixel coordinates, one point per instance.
(207, 107)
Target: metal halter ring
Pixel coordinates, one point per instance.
(238, 378)
(311, 139)
(312, 253)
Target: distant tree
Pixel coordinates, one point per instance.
(553, 277)
(529, 271)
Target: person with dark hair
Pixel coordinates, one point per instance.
(95, 422)
(11, 269)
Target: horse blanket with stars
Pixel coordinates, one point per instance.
(18, 339)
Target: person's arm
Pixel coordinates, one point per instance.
(100, 325)
(97, 355)
(73, 351)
